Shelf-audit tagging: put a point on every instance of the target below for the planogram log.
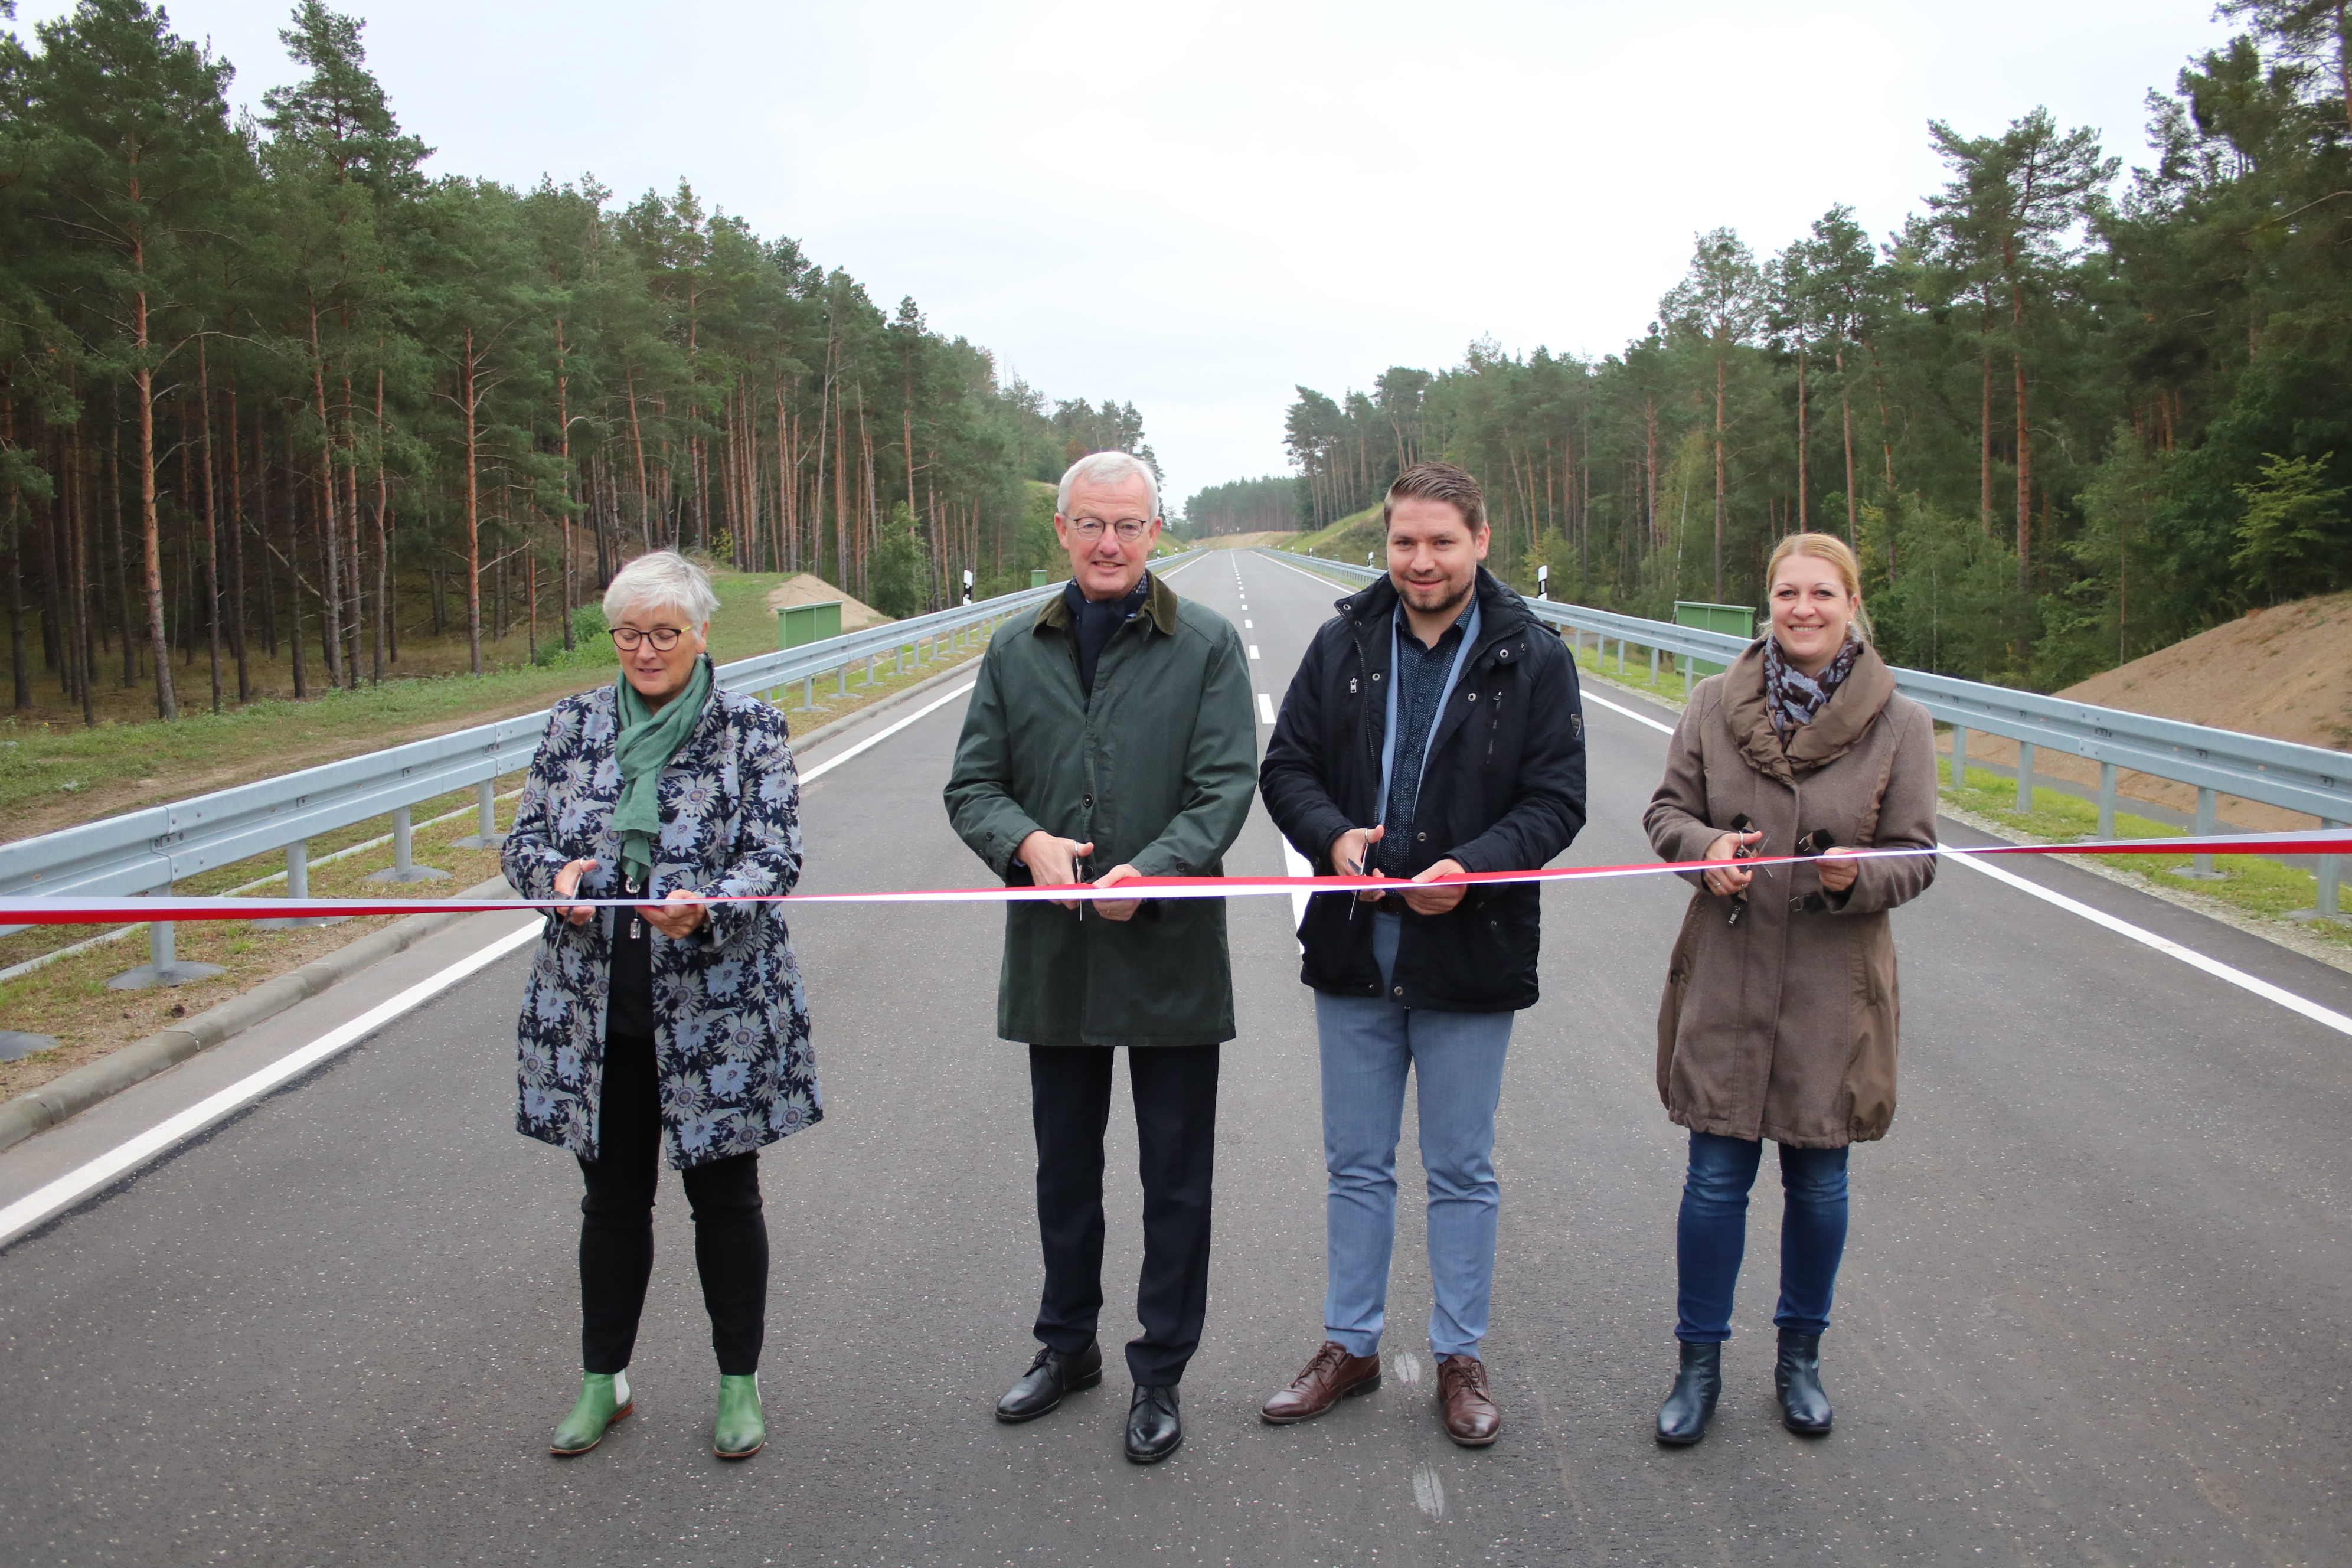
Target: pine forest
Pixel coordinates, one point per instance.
(273, 399)
(2066, 413)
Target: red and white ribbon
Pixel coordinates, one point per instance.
(39, 910)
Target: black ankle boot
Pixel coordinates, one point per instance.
(1804, 1408)
(1682, 1419)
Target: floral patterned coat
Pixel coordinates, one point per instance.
(730, 1017)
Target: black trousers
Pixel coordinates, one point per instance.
(616, 1226)
(1175, 1090)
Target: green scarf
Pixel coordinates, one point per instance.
(647, 742)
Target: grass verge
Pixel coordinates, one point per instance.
(55, 773)
(68, 997)
(2250, 884)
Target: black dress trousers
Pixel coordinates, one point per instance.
(1175, 1091)
(616, 1212)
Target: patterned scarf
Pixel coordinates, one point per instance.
(1791, 697)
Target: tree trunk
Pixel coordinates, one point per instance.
(2024, 482)
(294, 571)
(637, 436)
(212, 517)
(331, 595)
(563, 449)
(237, 555)
(474, 509)
(167, 705)
(1803, 525)
(1984, 421)
(1845, 421)
(384, 608)
(1721, 370)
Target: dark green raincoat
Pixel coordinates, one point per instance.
(1157, 773)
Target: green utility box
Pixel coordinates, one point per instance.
(1734, 620)
(1036, 576)
(800, 624)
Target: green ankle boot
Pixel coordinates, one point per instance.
(739, 1432)
(603, 1399)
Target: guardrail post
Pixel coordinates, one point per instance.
(164, 966)
(2329, 869)
(1654, 665)
(2330, 872)
(844, 689)
(808, 694)
(2200, 867)
(1960, 756)
(297, 886)
(2025, 776)
(403, 867)
(2107, 800)
(485, 834)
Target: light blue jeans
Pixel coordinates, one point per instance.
(1367, 1046)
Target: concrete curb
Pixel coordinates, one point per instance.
(828, 730)
(72, 1093)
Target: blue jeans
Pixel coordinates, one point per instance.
(1712, 1235)
(1368, 1044)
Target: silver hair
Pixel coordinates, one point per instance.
(1108, 468)
(662, 580)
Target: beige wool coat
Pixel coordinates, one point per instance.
(1783, 1026)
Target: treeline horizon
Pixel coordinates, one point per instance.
(264, 382)
(2063, 419)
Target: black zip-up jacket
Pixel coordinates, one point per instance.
(1504, 791)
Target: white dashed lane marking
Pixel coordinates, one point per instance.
(1264, 708)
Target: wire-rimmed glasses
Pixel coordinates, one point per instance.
(1128, 528)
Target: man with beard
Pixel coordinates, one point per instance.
(1431, 729)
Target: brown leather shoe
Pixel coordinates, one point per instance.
(1471, 1418)
(1331, 1375)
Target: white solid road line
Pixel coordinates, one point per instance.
(1637, 718)
(2166, 945)
(69, 1189)
(809, 776)
(41, 1204)
(2123, 927)
(1264, 708)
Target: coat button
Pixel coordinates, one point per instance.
(1400, 990)
(1474, 696)
(1423, 838)
(1797, 905)
(1087, 801)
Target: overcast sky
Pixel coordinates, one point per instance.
(1195, 205)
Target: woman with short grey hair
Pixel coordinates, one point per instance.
(680, 1020)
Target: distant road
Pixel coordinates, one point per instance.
(2095, 1308)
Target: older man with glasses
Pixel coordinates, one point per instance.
(1114, 730)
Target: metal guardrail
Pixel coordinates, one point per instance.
(2309, 779)
(148, 850)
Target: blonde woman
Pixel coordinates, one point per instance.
(1778, 1018)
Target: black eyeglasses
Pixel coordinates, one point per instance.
(664, 638)
(1128, 528)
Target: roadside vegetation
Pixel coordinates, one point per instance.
(2068, 412)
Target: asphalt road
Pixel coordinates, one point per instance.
(2093, 1311)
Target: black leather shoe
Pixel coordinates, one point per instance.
(1804, 1408)
(1683, 1419)
(1153, 1429)
(1050, 1376)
